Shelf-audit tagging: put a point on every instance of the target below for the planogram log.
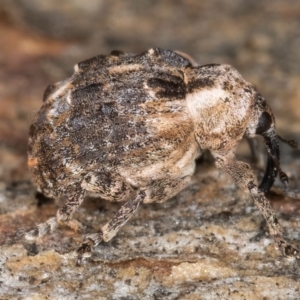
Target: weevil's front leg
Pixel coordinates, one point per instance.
(63, 215)
(110, 229)
(243, 176)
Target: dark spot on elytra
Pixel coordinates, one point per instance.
(247, 90)
(89, 93)
(260, 101)
(227, 86)
(202, 83)
(167, 89)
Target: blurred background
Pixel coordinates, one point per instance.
(40, 41)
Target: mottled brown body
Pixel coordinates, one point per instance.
(118, 118)
(129, 128)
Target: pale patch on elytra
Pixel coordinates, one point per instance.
(123, 68)
(69, 97)
(60, 92)
(76, 68)
(54, 111)
(149, 91)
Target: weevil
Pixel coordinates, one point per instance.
(129, 127)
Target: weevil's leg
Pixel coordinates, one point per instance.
(156, 191)
(269, 176)
(271, 143)
(283, 177)
(265, 128)
(291, 143)
(63, 215)
(243, 176)
(284, 191)
(110, 229)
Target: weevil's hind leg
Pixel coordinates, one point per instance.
(63, 215)
(295, 194)
(243, 176)
(291, 143)
(265, 128)
(110, 229)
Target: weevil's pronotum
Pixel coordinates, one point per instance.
(129, 128)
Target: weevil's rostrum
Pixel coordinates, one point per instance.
(129, 128)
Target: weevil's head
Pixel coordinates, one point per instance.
(263, 123)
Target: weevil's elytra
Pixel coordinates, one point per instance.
(129, 128)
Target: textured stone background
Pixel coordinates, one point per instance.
(209, 242)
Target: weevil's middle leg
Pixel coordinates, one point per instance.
(243, 176)
(155, 191)
(110, 229)
(63, 215)
(266, 128)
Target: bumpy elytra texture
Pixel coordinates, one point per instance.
(129, 128)
(135, 119)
